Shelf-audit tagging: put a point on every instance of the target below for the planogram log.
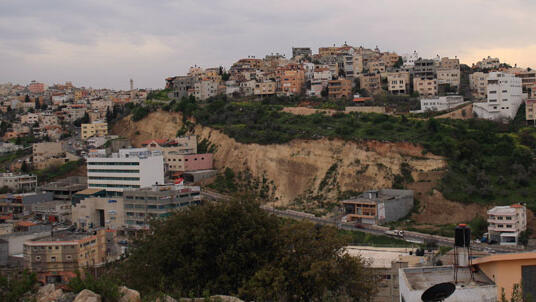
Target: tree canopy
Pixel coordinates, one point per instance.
(237, 248)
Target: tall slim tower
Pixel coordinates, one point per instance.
(131, 89)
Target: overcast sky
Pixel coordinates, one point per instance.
(104, 43)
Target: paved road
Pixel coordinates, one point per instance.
(414, 237)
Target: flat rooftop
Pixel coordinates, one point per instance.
(382, 257)
(58, 238)
(422, 278)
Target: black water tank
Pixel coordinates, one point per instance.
(462, 236)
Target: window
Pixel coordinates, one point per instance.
(52, 259)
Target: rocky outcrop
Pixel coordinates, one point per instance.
(129, 295)
(49, 293)
(217, 298)
(87, 296)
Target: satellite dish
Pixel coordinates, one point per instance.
(438, 292)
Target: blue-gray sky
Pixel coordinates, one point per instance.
(103, 43)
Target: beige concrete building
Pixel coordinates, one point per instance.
(478, 81)
(96, 212)
(376, 66)
(18, 182)
(425, 87)
(98, 128)
(52, 211)
(205, 89)
(264, 88)
(398, 82)
(386, 262)
(47, 152)
(339, 89)
(448, 76)
(530, 110)
(56, 259)
(447, 63)
(371, 82)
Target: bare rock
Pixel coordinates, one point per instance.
(165, 298)
(129, 295)
(87, 296)
(49, 293)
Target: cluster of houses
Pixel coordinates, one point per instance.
(348, 72)
(42, 111)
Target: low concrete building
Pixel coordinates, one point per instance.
(99, 212)
(64, 189)
(18, 182)
(441, 103)
(376, 207)
(425, 86)
(386, 262)
(471, 286)
(505, 223)
(53, 211)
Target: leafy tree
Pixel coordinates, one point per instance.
(27, 99)
(399, 63)
(14, 288)
(479, 226)
(237, 248)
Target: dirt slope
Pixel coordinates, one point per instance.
(300, 168)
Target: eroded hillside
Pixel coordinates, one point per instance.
(301, 167)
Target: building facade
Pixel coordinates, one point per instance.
(375, 207)
(339, 89)
(504, 96)
(129, 168)
(478, 81)
(18, 182)
(441, 103)
(398, 82)
(371, 82)
(505, 223)
(97, 128)
(425, 86)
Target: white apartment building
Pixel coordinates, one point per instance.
(409, 59)
(127, 169)
(441, 103)
(505, 223)
(478, 81)
(504, 96)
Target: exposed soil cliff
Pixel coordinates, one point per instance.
(301, 167)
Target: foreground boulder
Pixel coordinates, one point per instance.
(49, 293)
(217, 298)
(87, 296)
(129, 295)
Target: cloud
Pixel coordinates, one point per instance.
(102, 43)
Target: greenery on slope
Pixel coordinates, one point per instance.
(487, 161)
(236, 248)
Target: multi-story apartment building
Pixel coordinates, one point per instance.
(292, 82)
(447, 63)
(29, 118)
(48, 119)
(371, 82)
(205, 89)
(448, 76)
(425, 86)
(181, 86)
(353, 65)
(264, 88)
(505, 223)
(341, 88)
(18, 182)
(143, 205)
(504, 96)
(376, 66)
(424, 68)
(530, 110)
(390, 58)
(98, 128)
(129, 168)
(488, 63)
(528, 79)
(35, 87)
(478, 81)
(57, 258)
(398, 82)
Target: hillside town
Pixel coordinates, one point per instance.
(75, 194)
